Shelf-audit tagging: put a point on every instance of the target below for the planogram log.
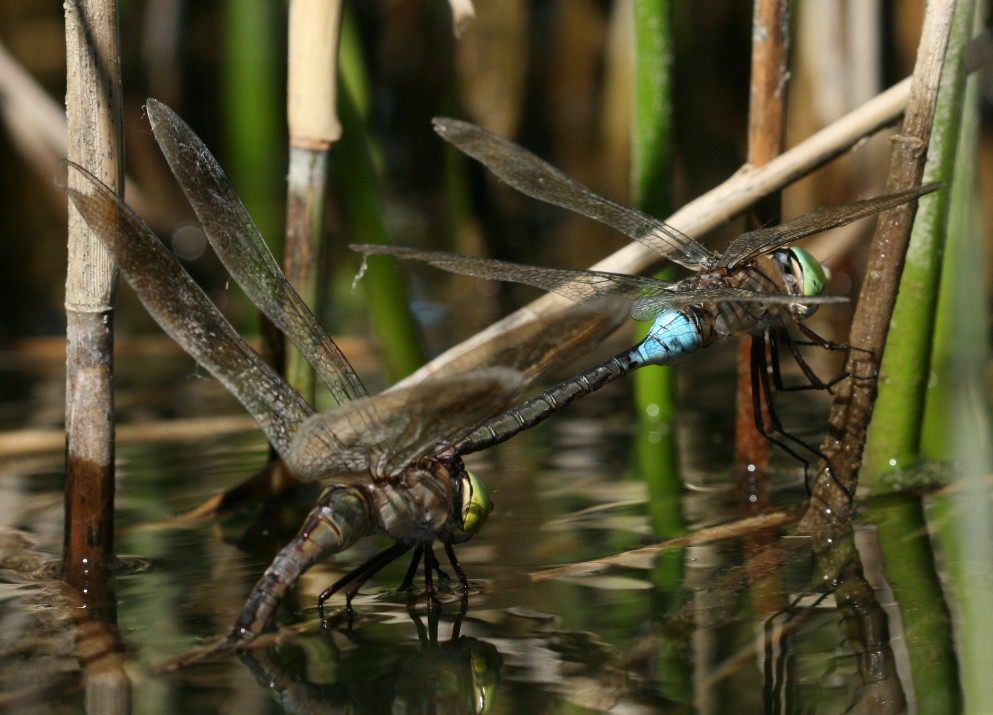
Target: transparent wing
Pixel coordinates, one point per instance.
(646, 297)
(547, 340)
(576, 285)
(244, 252)
(540, 180)
(754, 243)
(184, 311)
(415, 419)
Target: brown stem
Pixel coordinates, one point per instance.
(766, 138)
(851, 411)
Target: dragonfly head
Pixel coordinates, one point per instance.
(472, 506)
(807, 278)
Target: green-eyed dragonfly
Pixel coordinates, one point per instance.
(750, 288)
(386, 460)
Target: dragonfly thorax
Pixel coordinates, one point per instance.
(433, 499)
(416, 505)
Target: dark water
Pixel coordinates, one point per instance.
(734, 625)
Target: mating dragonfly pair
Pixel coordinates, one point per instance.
(392, 463)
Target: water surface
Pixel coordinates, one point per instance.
(733, 625)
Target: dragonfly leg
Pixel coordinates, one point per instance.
(457, 567)
(814, 381)
(441, 574)
(762, 389)
(430, 563)
(360, 575)
(415, 561)
(762, 392)
(826, 344)
(779, 643)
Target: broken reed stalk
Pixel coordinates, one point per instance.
(766, 139)
(314, 30)
(93, 99)
(851, 411)
(93, 102)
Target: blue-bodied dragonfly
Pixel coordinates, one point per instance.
(750, 288)
(386, 460)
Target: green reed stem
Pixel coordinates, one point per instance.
(655, 387)
(894, 439)
(949, 414)
(254, 130)
(926, 623)
(651, 180)
(959, 420)
(357, 185)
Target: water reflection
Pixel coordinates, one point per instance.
(343, 670)
(710, 621)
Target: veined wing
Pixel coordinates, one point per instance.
(754, 243)
(576, 285)
(546, 340)
(540, 180)
(647, 297)
(244, 252)
(416, 419)
(184, 311)
(648, 307)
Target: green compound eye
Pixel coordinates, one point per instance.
(810, 271)
(477, 507)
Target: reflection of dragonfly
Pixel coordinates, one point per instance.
(377, 455)
(748, 289)
(447, 674)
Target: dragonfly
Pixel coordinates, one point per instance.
(751, 288)
(386, 460)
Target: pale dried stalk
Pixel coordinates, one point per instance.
(93, 99)
(314, 127)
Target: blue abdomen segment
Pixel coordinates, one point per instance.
(673, 334)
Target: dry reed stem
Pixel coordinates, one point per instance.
(93, 99)
(314, 28)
